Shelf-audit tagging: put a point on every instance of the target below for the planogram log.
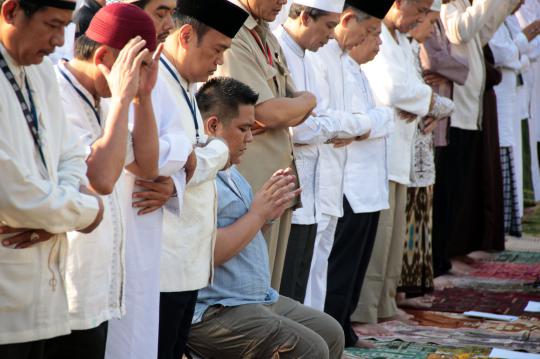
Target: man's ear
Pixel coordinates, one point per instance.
(305, 18)
(185, 35)
(347, 18)
(9, 11)
(213, 126)
(100, 56)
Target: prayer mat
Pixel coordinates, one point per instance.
(461, 337)
(517, 257)
(395, 349)
(493, 284)
(403, 350)
(523, 245)
(525, 328)
(528, 272)
(459, 300)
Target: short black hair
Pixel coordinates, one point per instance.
(29, 8)
(222, 96)
(315, 14)
(85, 48)
(180, 20)
(141, 3)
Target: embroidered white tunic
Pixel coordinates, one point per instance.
(32, 196)
(95, 274)
(314, 131)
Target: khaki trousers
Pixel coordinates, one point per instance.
(286, 329)
(377, 297)
(277, 238)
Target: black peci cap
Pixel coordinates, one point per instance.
(376, 8)
(221, 15)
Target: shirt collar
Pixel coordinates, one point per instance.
(16, 69)
(62, 67)
(250, 22)
(298, 51)
(333, 45)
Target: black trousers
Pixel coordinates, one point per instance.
(80, 344)
(298, 261)
(175, 315)
(441, 214)
(347, 266)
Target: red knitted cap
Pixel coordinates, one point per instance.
(115, 24)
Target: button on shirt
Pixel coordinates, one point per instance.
(245, 278)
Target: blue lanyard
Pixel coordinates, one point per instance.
(82, 95)
(30, 114)
(192, 106)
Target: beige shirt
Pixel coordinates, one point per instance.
(33, 303)
(246, 62)
(470, 27)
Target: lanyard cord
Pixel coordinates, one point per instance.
(191, 105)
(82, 96)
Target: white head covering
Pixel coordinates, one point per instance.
(436, 5)
(326, 5)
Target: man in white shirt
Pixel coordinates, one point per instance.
(43, 180)
(394, 82)
(327, 64)
(192, 53)
(469, 26)
(136, 334)
(95, 283)
(309, 26)
(365, 191)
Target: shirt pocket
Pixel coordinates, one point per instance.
(18, 271)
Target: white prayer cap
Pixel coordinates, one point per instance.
(436, 5)
(326, 5)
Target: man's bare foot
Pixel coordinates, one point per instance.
(460, 268)
(400, 316)
(443, 282)
(364, 344)
(423, 302)
(367, 330)
(481, 256)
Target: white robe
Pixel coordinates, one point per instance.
(135, 336)
(508, 58)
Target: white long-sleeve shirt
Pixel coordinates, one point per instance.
(329, 65)
(187, 256)
(366, 168)
(95, 273)
(307, 136)
(509, 60)
(33, 303)
(395, 83)
(470, 27)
